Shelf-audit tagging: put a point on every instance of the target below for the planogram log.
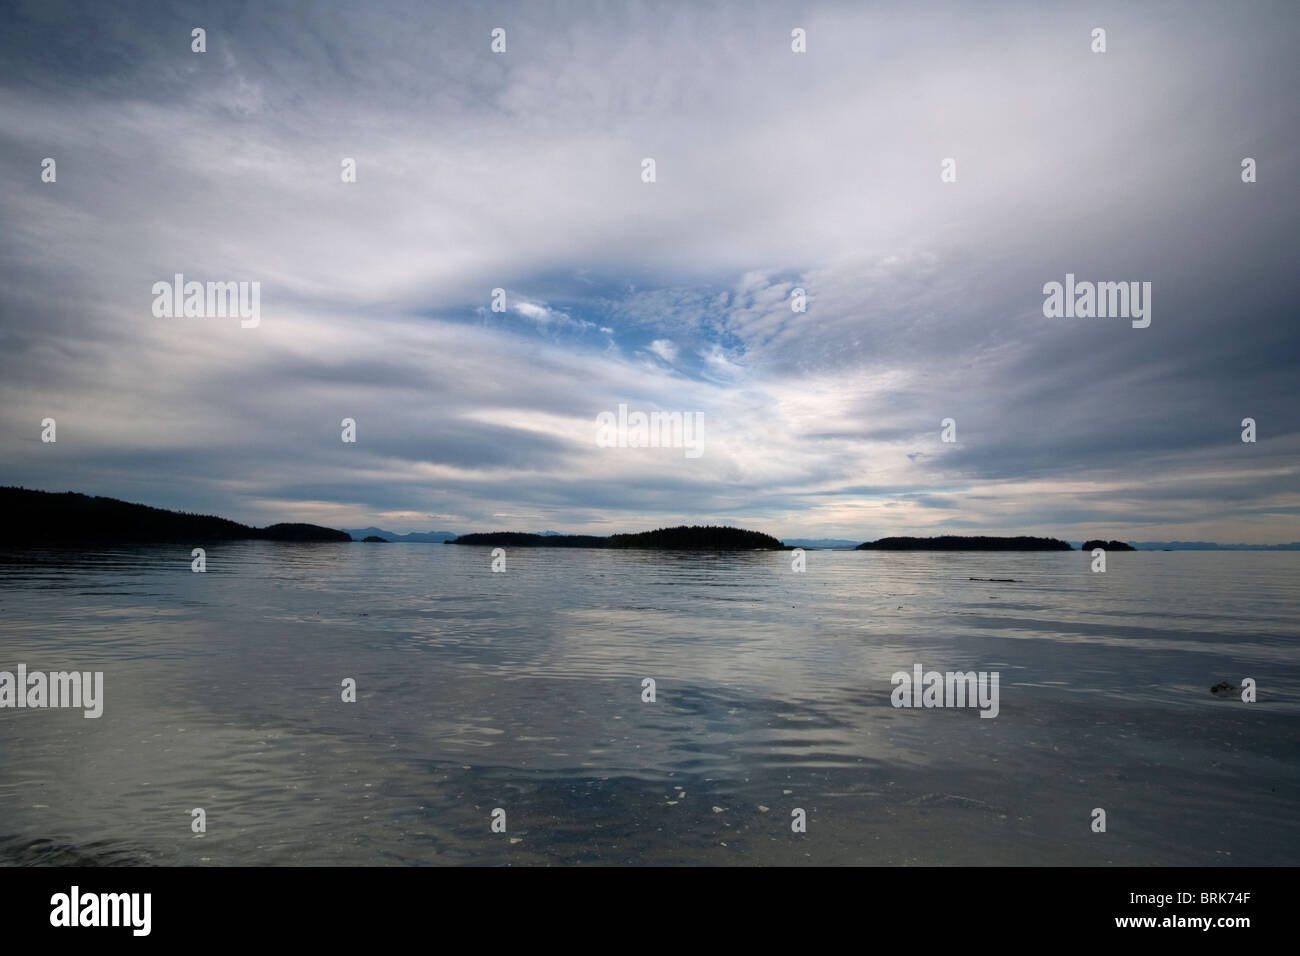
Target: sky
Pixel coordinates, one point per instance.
(774, 171)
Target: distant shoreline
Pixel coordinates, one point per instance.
(681, 538)
(43, 518)
(952, 542)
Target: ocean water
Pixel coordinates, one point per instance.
(522, 691)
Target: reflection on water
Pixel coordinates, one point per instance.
(523, 690)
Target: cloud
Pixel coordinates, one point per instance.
(665, 349)
(775, 171)
(547, 318)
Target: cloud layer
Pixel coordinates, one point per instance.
(775, 172)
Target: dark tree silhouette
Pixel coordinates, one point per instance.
(43, 517)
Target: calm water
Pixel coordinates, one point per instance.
(522, 691)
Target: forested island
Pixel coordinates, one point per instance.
(1107, 545)
(953, 542)
(682, 538)
(44, 517)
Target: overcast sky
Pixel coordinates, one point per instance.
(775, 170)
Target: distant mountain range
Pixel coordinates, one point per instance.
(423, 537)
(1211, 546)
(826, 543)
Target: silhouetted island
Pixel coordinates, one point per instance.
(374, 539)
(953, 542)
(1107, 545)
(44, 517)
(694, 538)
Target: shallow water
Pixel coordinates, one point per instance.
(522, 691)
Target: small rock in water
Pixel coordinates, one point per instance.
(1223, 687)
(763, 809)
